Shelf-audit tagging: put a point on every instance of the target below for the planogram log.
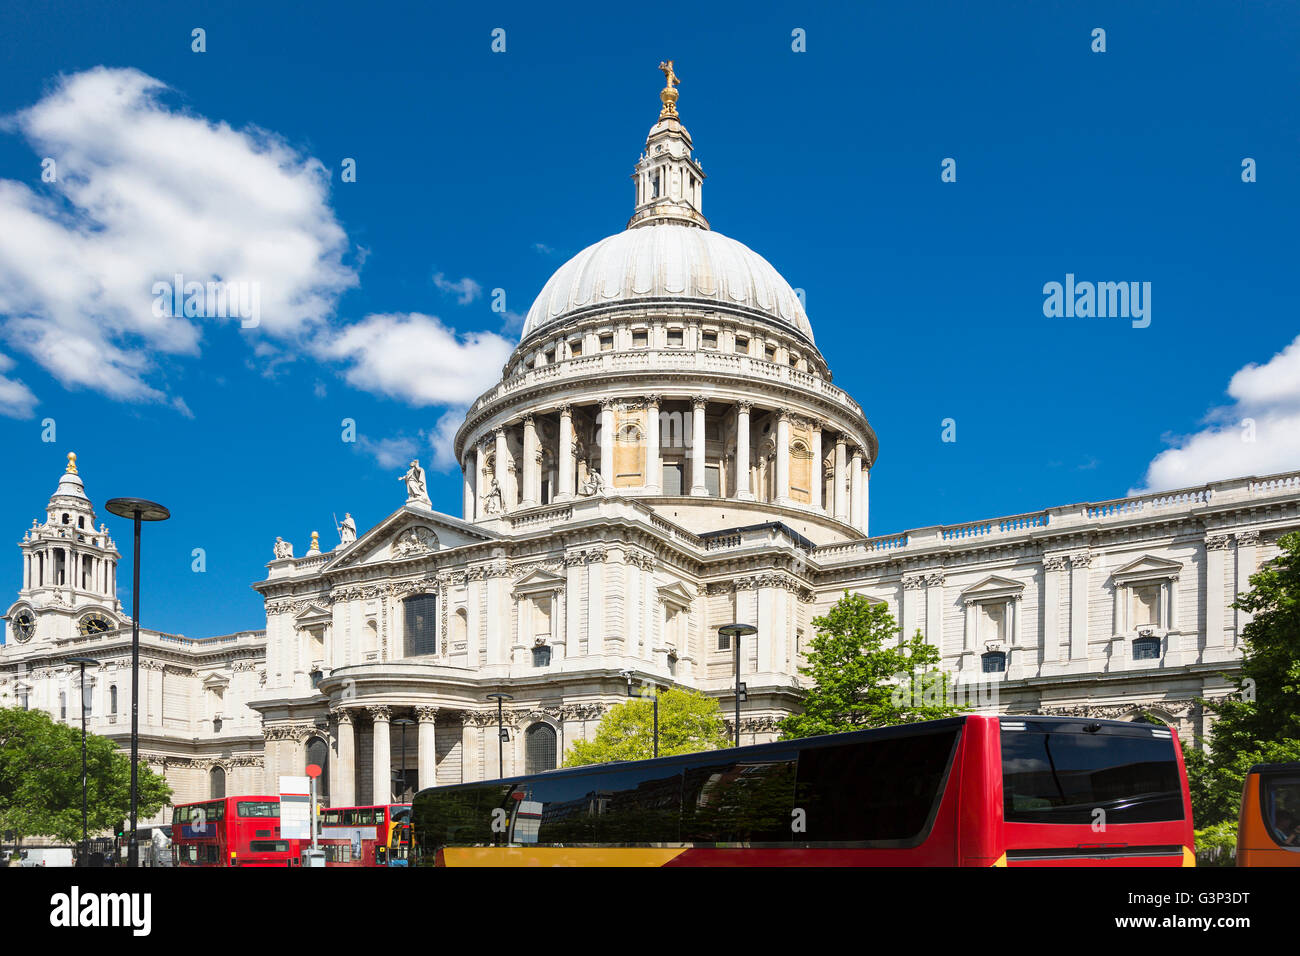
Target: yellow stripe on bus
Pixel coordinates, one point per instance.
(559, 856)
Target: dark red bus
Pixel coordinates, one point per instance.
(966, 791)
(231, 831)
(351, 836)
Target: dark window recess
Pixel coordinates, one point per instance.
(1064, 777)
(539, 746)
(268, 846)
(1146, 649)
(1279, 795)
(724, 642)
(883, 791)
(672, 478)
(421, 624)
(995, 662)
(259, 808)
(675, 338)
(541, 657)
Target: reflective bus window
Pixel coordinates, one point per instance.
(879, 791)
(268, 846)
(739, 802)
(258, 808)
(635, 805)
(462, 816)
(1062, 777)
(1280, 795)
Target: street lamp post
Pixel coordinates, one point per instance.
(403, 722)
(501, 733)
(83, 662)
(138, 510)
(736, 632)
(654, 699)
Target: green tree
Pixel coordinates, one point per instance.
(1260, 721)
(688, 722)
(861, 677)
(40, 779)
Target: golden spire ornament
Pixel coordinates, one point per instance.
(72, 463)
(668, 95)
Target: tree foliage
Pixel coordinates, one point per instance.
(1260, 721)
(40, 779)
(688, 722)
(862, 676)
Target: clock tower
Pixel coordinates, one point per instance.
(69, 571)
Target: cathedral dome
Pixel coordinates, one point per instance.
(668, 261)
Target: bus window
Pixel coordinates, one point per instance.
(741, 802)
(1064, 777)
(257, 808)
(874, 791)
(1280, 798)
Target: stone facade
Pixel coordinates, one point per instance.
(664, 454)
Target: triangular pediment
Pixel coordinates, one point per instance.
(409, 532)
(313, 615)
(1146, 567)
(539, 579)
(677, 594)
(993, 586)
(213, 681)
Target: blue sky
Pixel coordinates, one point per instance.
(479, 170)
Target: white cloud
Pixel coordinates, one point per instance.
(1258, 434)
(443, 439)
(415, 358)
(143, 193)
(389, 452)
(465, 289)
(16, 399)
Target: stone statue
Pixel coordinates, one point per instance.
(594, 485)
(492, 503)
(282, 548)
(416, 489)
(347, 530)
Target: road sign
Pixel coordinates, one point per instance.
(313, 770)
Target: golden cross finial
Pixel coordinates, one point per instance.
(668, 95)
(72, 462)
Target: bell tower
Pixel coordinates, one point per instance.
(669, 182)
(69, 569)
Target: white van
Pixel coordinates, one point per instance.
(47, 856)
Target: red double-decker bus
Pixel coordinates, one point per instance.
(966, 791)
(354, 836)
(231, 831)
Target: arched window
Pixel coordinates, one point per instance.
(995, 662)
(539, 748)
(1146, 649)
(421, 624)
(216, 783)
(318, 752)
(112, 700)
(63, 706)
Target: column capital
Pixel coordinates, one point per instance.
(653, 400)
(528, 420)
(783, 414)
(379, 713)
(565, 409)
(840, 439)
(817, 424)
(745, 407)
(607, 403)
(426, 714)
(342, 715)
(699, 401)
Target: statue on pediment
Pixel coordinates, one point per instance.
(416, 486)
(347, 530)
(282, 548)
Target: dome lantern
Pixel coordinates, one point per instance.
(669, 182)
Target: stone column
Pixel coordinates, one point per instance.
(503, 470)
(532, 491)
(743, 490)
(478, 477)
(427, 772)
(866, 497)
(653, 469)
(565, 454)
(816, 477)
(841, 505)
(1079, 564)
(382, 776)
(343, 776)
(1053, 565)
(855, 484)
(467, 506)
(783, 457)
(607, 443)
(1247, 541)
(698, 403)
(1216, 553)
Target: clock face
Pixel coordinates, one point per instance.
(24, 625)
(94, 624)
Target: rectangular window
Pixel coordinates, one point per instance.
(713, 480)
(709, 340)
(575, 348)
(675, 339)
(742, 345)
(672, 478)
(724, 642)
(640, 338)
(769, 352)
(875, 791)
(258, 808)
(1146, 605)
(541, 657)
(268, 846)
(1061, 776)
(607, 342)
(421, 624)
(746, 802)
